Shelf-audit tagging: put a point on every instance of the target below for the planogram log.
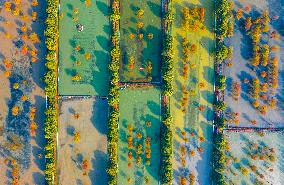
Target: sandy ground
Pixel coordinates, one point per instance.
(240, 69)
(193, 121)
(10, 24)
(5, 96)
(239, 144)
(92, 146)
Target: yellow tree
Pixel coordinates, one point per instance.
(16, 11)
(86, 165)
(15, 110)
(7, 74)
(24, 28)
(78, 47)
(34, 3)
(77, 136)
(34, 16)
(7, 6)
(7, 63)
(24, 50)
(8, 35)
(88, 3)
(25, 18)
(88, 56)
(33, 53)
(239, 14)
(24, 98)
(76, 78)
(76, 115)
(140, 13)
(17, 2)
(33, 128)
(76, 11)
(34, 38)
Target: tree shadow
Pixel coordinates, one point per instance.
(2, 29)
(276, 9)
(38, 178)
(103, 7)
(19, 126)
(152, 50)
(179, 39)
(70, 130)
(107, 29)
(178, 15)
(40, 162)
(246, 117)
(154, 107)
(70, 6)
(18, 22)
(99, 115)
(38, 27)
(103, 42)
(244, 87)
(178, 93)
(177, 173)
(229, 83)
(99, 165)
(134, 8)
(2, 19)
(208, 113)
(69, 15)
(156, 9)
(71, 110)
(245, 161)
(203, 167)
(207, 95)
(71, 72)
(39, 118)
(79, 158)
(79, 182)
(122, 132)
(134, 20)
(208, 74)
(73, 42)
(99, 82)
(208, 44)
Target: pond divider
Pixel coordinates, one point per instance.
(223, 16)
(167, 91)
(50, 79)
(113, 101)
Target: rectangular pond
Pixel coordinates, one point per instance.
(84, 55)
(191, 103)
(139, 136)
(264, 108)
(82, 141)
(254, 158)
(141, 40)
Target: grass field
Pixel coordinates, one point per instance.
(191, 104)
(137, 108)
(253, 157)
(141, 57)
(242, 70)
(91, 124)
(86, 53)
